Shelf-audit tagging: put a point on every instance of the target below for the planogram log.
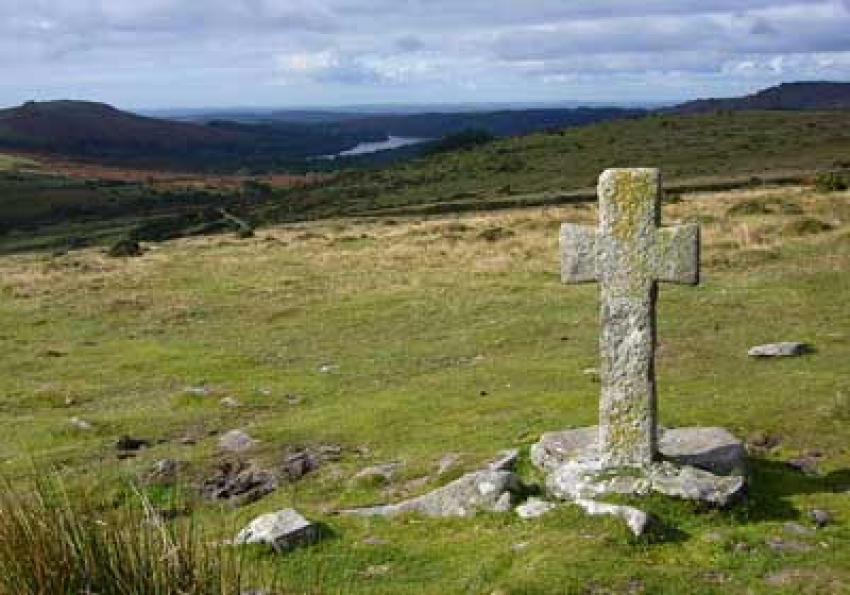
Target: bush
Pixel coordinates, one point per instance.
(832, 181)
(50, 543)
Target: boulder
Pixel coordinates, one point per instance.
(236, 441)
(239, 484)
(506, 460)
(487, 490)
(534, 508)
(785, 349)
(282, 531)
(713, 449)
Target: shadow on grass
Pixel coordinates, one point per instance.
(773, 483)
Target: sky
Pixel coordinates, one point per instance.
(217, 53)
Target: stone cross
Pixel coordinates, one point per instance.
(628, 256)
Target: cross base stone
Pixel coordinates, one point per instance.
(704, 464)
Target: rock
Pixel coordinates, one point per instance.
(505, 460)
(298, 464)
(691, 483)
(125, 248)
(282, 531)
(797, 529)
(821, 518)
(327, 368)
(164, 471)
(534, 508)
(239, 484)
(128, 444)
(81, 424)
(778, 544)
(712, 449)
(478, 491)
(236, 441)
(447, 463)
(786, 349)
(577, 480)
(230, 402)
(637, 520)
(379, 473)
(805, 464)
(199, 391)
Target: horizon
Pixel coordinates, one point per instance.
(290, 54)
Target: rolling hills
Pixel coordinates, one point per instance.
(787, 96)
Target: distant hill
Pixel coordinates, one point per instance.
(787, 96)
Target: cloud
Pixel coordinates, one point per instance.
(338, 51)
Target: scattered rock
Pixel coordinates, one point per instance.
(129, 444)
(479, 491)
(299, 463)
(807, 464)
(294, 400)
(239, 483)
(786, 349)
(505, 460)
(376, 570)
(375, 541)
(534, 508)
(81, 424)
(779, 544)
(785, 577)
(447, 463)
(125, 248)
(821, 518)
(797, 529)
(236, 441)
(164, 471)
(230, 402)
(327, 368)
(282, 531)
(637, 520)
(379, 473)
(199, 391)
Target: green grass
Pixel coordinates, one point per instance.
(441, 341)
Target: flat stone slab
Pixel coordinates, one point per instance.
(487, 490)
(711, 449)
(784, 349)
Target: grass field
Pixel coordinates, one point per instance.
(410, 338)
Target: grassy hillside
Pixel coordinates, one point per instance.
(407, 339)
(706, 148)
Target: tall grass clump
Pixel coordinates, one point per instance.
(53, 543)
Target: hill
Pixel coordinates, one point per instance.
(713, 149)
(99, 132)
(787, 96)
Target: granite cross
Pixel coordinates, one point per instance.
(628, 256)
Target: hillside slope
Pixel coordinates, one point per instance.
(787, 96)
(710, 147)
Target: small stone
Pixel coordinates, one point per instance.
(821, 518)
(796, 529)
(534, 508)
(81, 424)
(379, 473)
(637, 520)
(520, 547)
(805, 464)
(375, 541)
(447, 463)
(294, 400)
(236, 441)
(298, 464)
(129, 444)
(785, 349)
(198, 391)
(164, 471)
(376, 570)
(327, 368)
(282, 531)
(239, 484)
(505, 460)
(778, 544)
(230, 402)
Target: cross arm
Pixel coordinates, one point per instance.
(579, 254)
(677, 255)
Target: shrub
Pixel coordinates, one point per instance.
(832, 181)
(51, 543)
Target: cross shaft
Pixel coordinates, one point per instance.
(628, 256)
